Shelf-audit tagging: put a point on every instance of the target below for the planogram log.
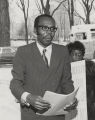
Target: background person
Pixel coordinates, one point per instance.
(76, 51)
(33, 74)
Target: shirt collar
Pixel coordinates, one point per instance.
(48, 48)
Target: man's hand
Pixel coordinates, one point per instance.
(37, 102)
(72, 106)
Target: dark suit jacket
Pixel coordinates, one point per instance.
(31, 74)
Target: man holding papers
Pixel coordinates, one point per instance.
(39, 67)
(59, 103)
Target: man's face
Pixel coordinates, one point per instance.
(76, 55)
(45, 31)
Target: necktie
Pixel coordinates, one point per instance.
(44, 57)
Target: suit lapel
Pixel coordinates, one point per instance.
(54, 62)
(54, 57)
(37, 57)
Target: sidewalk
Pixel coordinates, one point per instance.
(9, 109)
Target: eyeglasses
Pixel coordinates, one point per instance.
(46, 28)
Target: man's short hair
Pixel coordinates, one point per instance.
(41, 16)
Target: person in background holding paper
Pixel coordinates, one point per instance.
(38, 67)
(77, 51)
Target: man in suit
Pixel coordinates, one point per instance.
(38, 67)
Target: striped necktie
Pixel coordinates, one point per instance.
(45, 58)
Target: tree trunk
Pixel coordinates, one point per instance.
(88, 18)
(4, 24)
(72, 14)
(46, 8)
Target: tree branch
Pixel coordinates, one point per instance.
(38, 6)
(57, 7)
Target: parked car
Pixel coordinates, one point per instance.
(86, 35)
(7, 55)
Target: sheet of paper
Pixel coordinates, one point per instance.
(58, 102)
(78, 70)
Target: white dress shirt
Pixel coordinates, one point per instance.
(48, 51)
(48, 55)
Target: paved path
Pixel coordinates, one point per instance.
(9, 109)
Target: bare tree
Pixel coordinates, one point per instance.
(87, 6)
(46, 8)
(25, 11)
(60, 3)
(4, 23)
(71, 12)
(43, 8)
(79, 16)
